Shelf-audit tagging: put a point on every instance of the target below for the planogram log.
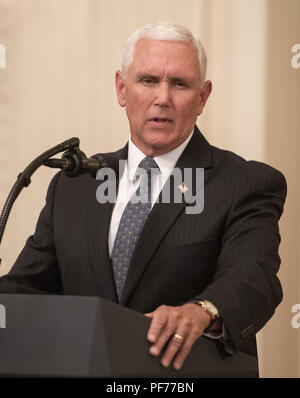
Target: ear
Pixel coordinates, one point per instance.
(120, 88)
(205, 93)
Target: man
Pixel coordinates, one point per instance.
(211, 272)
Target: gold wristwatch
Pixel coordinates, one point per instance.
(214, 314)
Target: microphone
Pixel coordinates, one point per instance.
(74, 162)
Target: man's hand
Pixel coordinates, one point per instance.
(180, 327)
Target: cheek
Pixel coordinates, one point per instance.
(187, 101)
(188, 111)
(136, 105)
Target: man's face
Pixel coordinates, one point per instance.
(162, 94)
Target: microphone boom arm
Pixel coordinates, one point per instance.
(73, 162)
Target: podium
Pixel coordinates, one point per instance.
(73, 336)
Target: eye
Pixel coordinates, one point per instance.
(180, 84)
(149, 81)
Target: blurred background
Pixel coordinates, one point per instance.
(61, 58)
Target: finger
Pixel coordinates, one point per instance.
(159, 320)
(149, 314)
(174, 346)
(183, 352)
(164, 336)
(186, 347)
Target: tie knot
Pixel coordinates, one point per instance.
(148, 163)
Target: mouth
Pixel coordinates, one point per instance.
(160, 120)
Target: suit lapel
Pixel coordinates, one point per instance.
(196, 155)
(99, 216)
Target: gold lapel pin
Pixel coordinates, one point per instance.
(183, 188)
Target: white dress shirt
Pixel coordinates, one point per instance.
(130, 181)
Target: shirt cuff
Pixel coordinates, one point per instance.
(223, 337)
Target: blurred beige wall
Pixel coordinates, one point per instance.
(61, 56)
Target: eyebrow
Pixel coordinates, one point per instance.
(185, 79)
(140, 76)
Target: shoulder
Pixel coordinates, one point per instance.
(232, 165)
(246, 181)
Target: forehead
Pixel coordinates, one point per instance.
(159, 56)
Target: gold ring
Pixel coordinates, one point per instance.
(178, 337)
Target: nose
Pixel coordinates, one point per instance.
(162, 94)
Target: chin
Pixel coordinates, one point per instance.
(155, 143)
(160, 147)
(160, 139)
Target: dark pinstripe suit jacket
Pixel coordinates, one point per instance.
(227, 254)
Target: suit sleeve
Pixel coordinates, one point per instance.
(35, 270)
(245, 287)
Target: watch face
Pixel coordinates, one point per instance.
(211, 309)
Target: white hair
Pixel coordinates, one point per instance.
(163, 31)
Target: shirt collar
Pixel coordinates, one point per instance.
(166, 162)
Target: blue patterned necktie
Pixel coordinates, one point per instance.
(131, 224)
